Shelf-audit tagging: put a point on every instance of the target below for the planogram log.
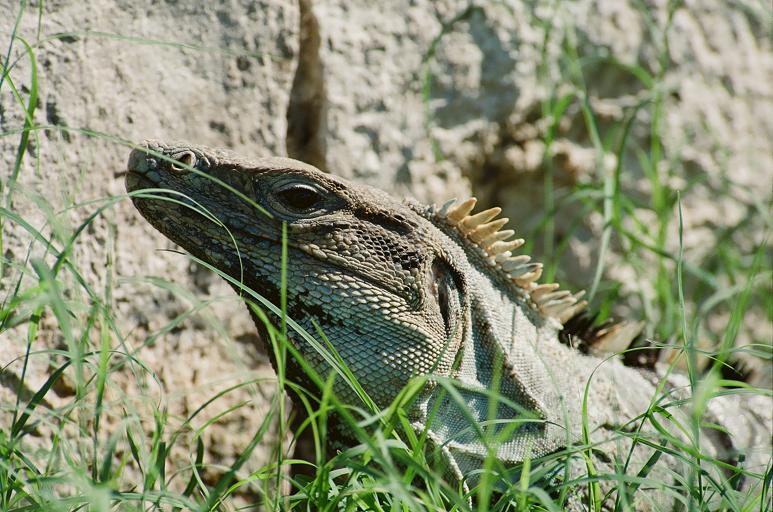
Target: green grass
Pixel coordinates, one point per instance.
(105, 449)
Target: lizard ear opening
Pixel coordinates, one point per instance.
(446, 291)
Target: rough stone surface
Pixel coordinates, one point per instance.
(431, 99)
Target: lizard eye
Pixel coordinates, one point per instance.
(299, 198)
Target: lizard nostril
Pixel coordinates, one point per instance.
(188, 159)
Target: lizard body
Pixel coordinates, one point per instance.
(403, 290)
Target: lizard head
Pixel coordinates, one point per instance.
(367, 269)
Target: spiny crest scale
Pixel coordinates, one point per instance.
(485, 232)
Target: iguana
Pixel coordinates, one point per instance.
(404, 290)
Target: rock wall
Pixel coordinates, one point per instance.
(430, 99)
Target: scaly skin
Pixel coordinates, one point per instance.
(403, 290)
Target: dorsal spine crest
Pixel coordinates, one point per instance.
(483, 231)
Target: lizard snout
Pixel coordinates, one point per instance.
(143, 167)
(137, 162)
(140, 161)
